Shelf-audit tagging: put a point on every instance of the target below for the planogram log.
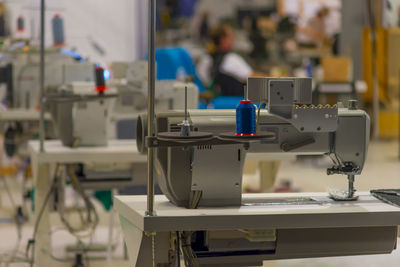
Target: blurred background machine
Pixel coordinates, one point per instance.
(130, 81)
(22, 67)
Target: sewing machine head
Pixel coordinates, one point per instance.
(81, 113)
(209, 172)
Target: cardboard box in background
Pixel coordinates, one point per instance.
(2, 8)
(337, 69)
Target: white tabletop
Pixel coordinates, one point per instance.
(367, 211)
(21, 115)
(116, 151)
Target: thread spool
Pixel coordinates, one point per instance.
(100, 81)
(58, 30)
(246, 119)
(20, 24)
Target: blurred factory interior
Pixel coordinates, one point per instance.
(199, 133)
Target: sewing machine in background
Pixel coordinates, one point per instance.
(20, 73)
(130, 79)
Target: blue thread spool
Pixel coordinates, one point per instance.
(246, 119)
(58, 30)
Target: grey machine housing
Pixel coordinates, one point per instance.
(299, 127)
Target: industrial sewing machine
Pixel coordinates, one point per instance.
(19, 70)
(197, 157)
(19, 88)
(209, 171)
(198, 163)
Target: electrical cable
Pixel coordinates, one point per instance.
(88, 222)
(12, 201)
(258, 115)
(189, 256)
(92, 219)
(195, 199)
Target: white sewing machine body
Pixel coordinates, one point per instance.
(81, 114)
(24, 72)
(130, 79)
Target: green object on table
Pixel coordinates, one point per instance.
(105, 197)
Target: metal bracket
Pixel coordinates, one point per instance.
(287, 101)
(348, 168)
(174, 139)
(156, 142)
(310, 118)
(289, 147)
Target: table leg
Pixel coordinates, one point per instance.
(43, 240)
(140, 247)
(268, 173)
(110, 235)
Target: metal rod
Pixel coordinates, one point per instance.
(150, 105)
(351, 178)
(186, 100)
(42, 74)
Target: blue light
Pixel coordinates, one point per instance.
(107, 74)
(72, 53)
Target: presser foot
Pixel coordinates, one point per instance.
(343, 195)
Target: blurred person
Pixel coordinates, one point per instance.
(224, 71)
(314, 33)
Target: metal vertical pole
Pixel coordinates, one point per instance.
(42, 74)
(375, 101)
(186, 104)
(150, 104)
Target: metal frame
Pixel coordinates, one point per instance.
(150, 104)
(42, 74)
(151, 117)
